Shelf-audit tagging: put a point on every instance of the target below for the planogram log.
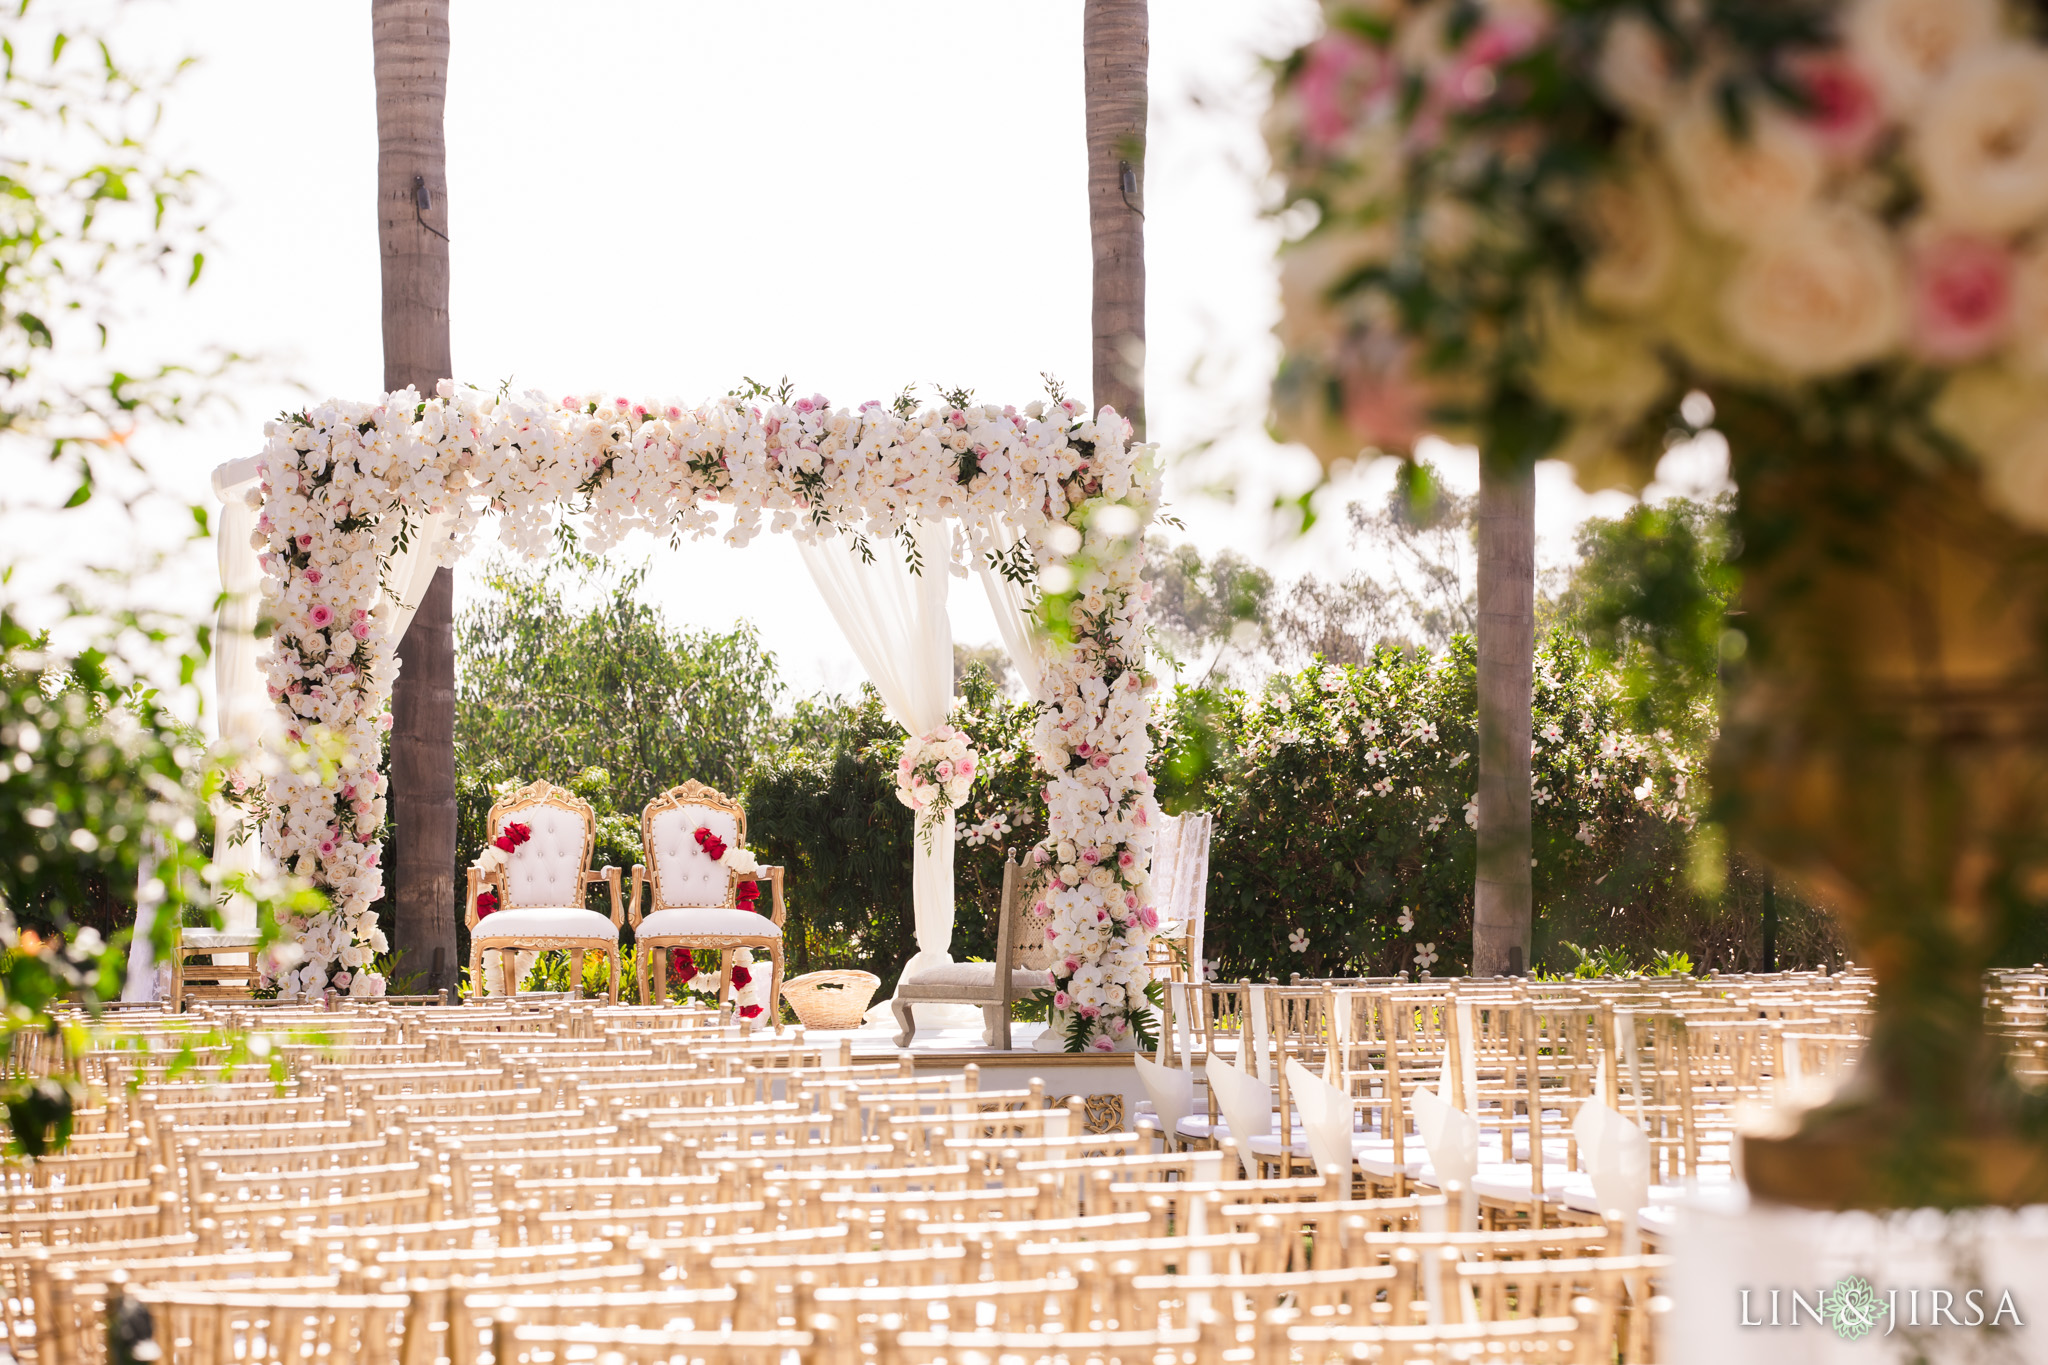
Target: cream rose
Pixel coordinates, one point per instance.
(1634, 69)
(1982, 145)
(1587, 366)
(2002, 419)
(1909, 46)
(1746, 189)
(1823, 296)
(1636, 241)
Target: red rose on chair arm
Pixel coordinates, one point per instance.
(713, 846)
(747, 894)
(512, 836)
(741, 977)
(749, 1011)
(486, 903)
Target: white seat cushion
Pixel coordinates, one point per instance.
(530, 922)
(707, 921)
(1375, 1156)
(684, 876)
(547, 869)
(1025, 979)
(1200, 1128)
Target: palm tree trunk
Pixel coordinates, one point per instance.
(1115, 48)
(410, 41)
(1502, 913)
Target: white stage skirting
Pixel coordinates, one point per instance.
(1936, 1284)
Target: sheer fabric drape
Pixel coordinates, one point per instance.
(1012, 605)
(896, 624)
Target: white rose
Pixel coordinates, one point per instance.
(742, 861)
(1101, 877)
(1822, 297)
(1982, 145)
(1747, 189)
(1908, 46)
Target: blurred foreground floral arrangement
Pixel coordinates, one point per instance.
(1591, 229)
(1539, 226)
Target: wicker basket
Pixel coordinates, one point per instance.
(831, 999)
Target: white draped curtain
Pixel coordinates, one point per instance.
(896, 624)
(1012, 604)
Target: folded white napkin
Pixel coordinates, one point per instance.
(1616, 1154)
(1326, 1116)
(1172, 1089)
(1247, 1105)
(1452, 1138)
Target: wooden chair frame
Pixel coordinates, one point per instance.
(543, 794)
(695, 793)
(994, 999)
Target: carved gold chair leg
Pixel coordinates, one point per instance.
(576, 956)
(774, 1004)
(508, 965)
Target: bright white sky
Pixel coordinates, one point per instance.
(660, 197)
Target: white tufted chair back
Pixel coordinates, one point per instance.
(547, 870)
(684, 875)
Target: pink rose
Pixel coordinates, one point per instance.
(1126, 858)
(1148, 917)
(1101, 760)
(305, 542)
(1842, 109)
(1090, 857)
(1051, 934)
(1088, 1012)
(1338, 74)
(320, 615)
(1060, 999)
(966, 766)
(342, 978)
(361, 630)
(573, 403)
(1102, 1044)
(1962, 296)
(620, 404)
(1072, 965)
(672, 412)
(312, 575)
(945, 770)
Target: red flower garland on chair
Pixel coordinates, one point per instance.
(713, 846)
(509, 838)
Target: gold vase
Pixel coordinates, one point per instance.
(1886, 744)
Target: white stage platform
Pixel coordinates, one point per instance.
(1106, 1081)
